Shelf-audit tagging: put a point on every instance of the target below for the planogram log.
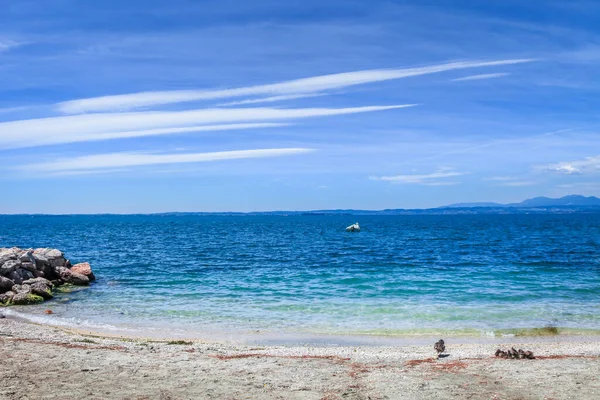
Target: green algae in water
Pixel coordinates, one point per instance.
(179, 342)
(545, 331)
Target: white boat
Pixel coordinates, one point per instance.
(353, 228)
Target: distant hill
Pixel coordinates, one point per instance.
(473, 205)
(572, 200)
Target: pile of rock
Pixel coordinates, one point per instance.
(517, 354)
(27, 276)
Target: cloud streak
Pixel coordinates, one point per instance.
(586, 166)
(117, 161)
(271, 99)
(91, 127)
(303, 86)
(6, 44)
(422, 179)
(481, 77)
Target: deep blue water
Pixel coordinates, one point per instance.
(400, 274)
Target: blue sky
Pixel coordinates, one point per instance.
(232, 105)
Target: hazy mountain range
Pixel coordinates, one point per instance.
(537, 205)
(572, 200)
(573, 204)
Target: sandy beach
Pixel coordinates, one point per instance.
(43, 362)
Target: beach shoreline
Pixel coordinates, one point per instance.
(37, 356)
(269, 337)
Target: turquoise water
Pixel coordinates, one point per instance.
(305, 274)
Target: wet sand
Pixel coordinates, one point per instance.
(43, 362)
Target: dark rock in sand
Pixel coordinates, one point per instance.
(514, 354)
(529, 355)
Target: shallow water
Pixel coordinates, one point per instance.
(473, 275)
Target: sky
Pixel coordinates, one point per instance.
(231, 105)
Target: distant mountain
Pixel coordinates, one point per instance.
(572, 200)
(573, 204)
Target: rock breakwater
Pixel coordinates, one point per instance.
(28, 276)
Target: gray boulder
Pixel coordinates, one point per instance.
(63, 273)
(53, 253)
(21, 289)
(15, 277)
(57, 262)
(39, 274)
(25, 274)
(26, 298)
(41, 289)
(49, 272)
(79, 279)
(6, 284)
(28, 276)
(28, 266)
(6, 298)
(7, 254)
(54, 257)
(9, 266)
(40, 261)
(27, 256)
(38, 280)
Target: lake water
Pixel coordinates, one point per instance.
(295, 275)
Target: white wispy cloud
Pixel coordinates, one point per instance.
(501, 178)
(89, 127)
(587, 165)
(585, 185)
(481, 76)
(7, 44)
(13, 109)
(271, 99)
(422, 179)
(118, 161)
(511, 181)
(518, 183)
(295, 87)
